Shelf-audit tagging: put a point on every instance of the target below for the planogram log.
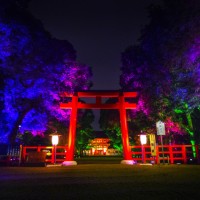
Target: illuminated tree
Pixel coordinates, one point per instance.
(34, 69)
(164, 67)
(181, 57)
(85, 130)
(110, 124)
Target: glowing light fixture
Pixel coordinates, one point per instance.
(55, 139)
(143, 139)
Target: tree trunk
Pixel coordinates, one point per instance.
(191, 131)
(15, 129)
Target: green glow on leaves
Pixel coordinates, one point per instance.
(178, 111)
(193, 148)
(192, 142)
(189, 118)
(191, 133)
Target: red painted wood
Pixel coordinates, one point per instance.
(124, 130)
(183, 152)
(72, 129)
(135, 152)
(122, 104)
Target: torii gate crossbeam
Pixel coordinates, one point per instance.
(122, 104)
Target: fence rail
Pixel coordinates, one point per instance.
(53, 154)
(166, 153)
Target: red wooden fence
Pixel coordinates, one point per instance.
(170, 154)
(60, 156)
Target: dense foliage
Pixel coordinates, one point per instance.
(165, 69)
(110, 123)
(85, 130)
(34, 68)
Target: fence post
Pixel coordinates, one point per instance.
(184, 154)
(171, 157)
(144, 148)
(52, 155)
(24, 154)
(157, 155)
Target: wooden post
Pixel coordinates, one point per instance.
(124, 129)
(72, 133)
(184, 155)
(171, 157)
(52, 155)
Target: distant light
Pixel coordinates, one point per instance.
(93, 150)
(143, 139)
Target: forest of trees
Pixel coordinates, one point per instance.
(164, 67)
(35, 67)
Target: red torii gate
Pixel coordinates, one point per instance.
(122, 104)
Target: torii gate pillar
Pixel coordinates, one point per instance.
(72, 133)
(121, 105)
(124, 130)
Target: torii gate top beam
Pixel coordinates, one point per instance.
(106, 93)
(98, 95)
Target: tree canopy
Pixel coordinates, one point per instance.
(164, 67)
(34, 68)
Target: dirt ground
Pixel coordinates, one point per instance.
(100, 181)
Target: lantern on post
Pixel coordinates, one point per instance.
(54, 141)
(143, 141)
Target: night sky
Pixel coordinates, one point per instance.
(99, 31)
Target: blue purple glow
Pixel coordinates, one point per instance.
(34, 78)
